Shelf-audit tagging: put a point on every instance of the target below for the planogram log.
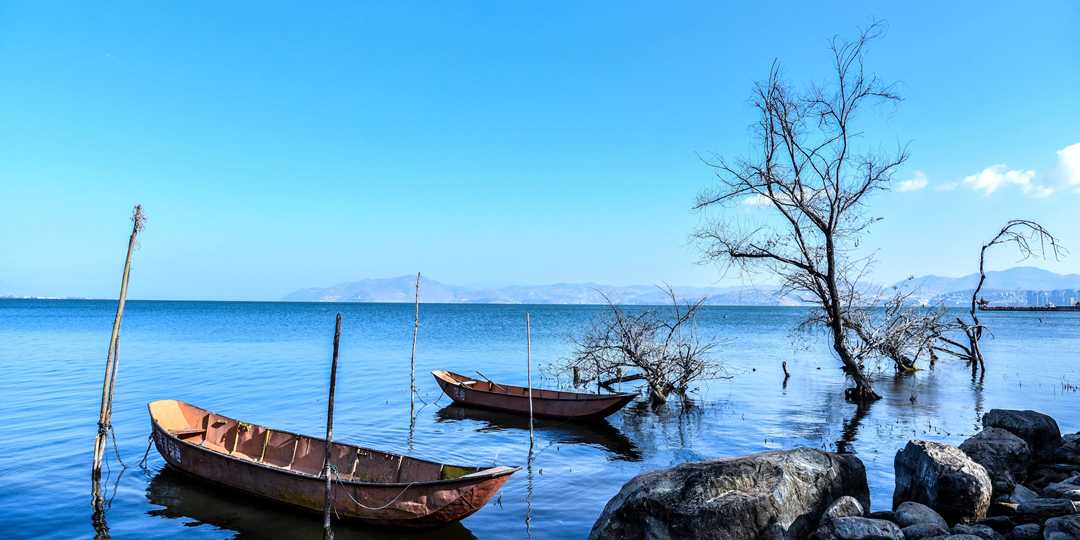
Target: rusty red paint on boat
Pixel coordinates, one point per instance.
(546, 403)
(374, 486)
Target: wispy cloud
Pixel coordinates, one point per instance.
(915, 183)
(756, 200)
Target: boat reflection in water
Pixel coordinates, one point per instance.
(185, 498)
(598, 433)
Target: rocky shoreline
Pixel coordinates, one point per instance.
(1016, 479)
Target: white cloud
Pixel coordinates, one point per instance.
(756, 200)
(1069, 159)
(915, 183)
(994, 177)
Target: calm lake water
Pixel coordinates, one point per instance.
(268, 363)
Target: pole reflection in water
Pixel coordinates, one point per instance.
(99, 504)
(197, 503)
(529, 493)
(600, 433)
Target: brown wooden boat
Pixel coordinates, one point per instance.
(375, 487)
(546, 403)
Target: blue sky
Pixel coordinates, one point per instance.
(277, 146)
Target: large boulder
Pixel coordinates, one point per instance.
(1065, 489)
(858, 528)
(1004, 456)
(777, 495)
(944, 478)
(1062, 528)
(1069, 451)
(1039, 430)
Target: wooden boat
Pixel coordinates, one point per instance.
(546, 403)
(373, 486)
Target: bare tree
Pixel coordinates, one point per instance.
(1030, 239)
(899, 331)
(648, 344)
(807, 173)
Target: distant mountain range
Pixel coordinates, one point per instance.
(1022, 285)
(401, 289)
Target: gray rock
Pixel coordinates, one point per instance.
(920, 531)
(912, 513)
(1021, 494)
(1039, 430)
(1069, 451)
(1004, 456)
(846, 506)
(1066, 489)
(1044, 474)
(776, 495)
(1001, 524)
(858, 528)
(1029, 531)
(1062, 528)
(982, 531)
(1043, 509)
(943, 478)
(887, 515)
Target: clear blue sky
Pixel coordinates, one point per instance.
(283, 145)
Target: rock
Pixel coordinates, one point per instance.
(1043, 509)
(858, 528)
(777, 495)
(1044, 474)
(1066, 489)
(1001, 524)
(1062, 528)
(1030, 531)
(912, 513)
(1021, 494)
(957, 537)
(1004, 456)
(1037, 429)
(982, 531)
(1069, 451)
(1003, 508)
(846, 506)
(943, 478)
(919, 531)
(887, 515)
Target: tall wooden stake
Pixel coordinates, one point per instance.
(412, 359)
(328, 534)
(108, 385)
(528, 369)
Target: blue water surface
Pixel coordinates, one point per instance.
(268, 363)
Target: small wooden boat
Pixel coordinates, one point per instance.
(372, 486)
(546, 403)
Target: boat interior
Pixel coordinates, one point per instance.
(295, 453)
(508, 389)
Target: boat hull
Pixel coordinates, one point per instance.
(545, 403)
(397, 505)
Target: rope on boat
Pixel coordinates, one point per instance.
(146, 454)
(337, 478)
(116, 447)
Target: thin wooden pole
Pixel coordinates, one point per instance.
(328, 534)
(107, 386)
(528, 369)
(412, 358)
